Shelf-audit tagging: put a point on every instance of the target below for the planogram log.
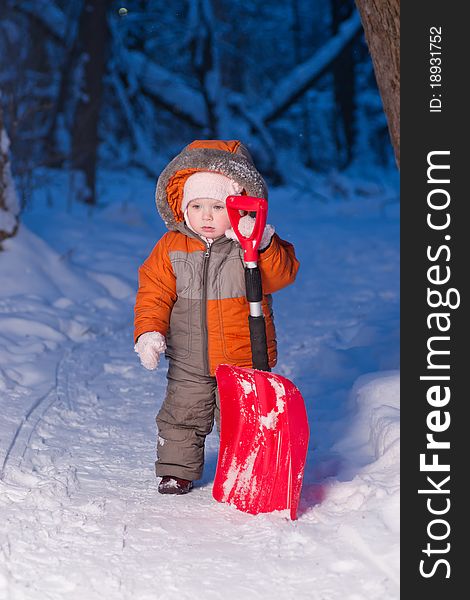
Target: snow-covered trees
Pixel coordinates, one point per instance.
(9, 206)
(94, 84)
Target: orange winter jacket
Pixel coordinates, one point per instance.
(193, 293)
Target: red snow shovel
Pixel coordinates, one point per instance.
(264, 428)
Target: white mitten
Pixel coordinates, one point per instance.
(246, 225)
(149, 347)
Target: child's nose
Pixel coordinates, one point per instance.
(207, 214)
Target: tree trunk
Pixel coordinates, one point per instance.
(381, 22)
(305, 134)
(206, 63)
(344, 85)
(93, 37)
(9, 207)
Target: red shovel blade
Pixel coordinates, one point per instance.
(263, 441)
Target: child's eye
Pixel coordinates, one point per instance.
(196, 206)
(219, 207)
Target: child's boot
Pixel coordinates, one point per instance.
(174, 485)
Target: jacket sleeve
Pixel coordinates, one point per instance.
(278, 265)
(156, 294)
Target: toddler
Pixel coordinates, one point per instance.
(191, 302)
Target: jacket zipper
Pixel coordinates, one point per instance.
(205, 343)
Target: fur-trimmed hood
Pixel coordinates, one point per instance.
(231, 158)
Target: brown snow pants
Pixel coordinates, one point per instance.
(184, 420)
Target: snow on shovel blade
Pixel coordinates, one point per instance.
(263, 441)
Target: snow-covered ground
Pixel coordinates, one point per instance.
(80, 514)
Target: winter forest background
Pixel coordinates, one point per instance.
(96, 96)
(101, 83)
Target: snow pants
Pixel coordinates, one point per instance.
(184, 420)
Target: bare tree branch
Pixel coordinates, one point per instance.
(291, 87)
(163, 85)
(48, 16)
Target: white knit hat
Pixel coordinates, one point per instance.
(205, 184)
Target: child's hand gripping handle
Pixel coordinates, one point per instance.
(249, 204)
(254, 290)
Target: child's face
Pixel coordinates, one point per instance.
(208, 217)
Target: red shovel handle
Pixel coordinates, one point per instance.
(249, 204)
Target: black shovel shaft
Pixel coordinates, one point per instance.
(254, 290)
(254, 295)
(259, 346)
